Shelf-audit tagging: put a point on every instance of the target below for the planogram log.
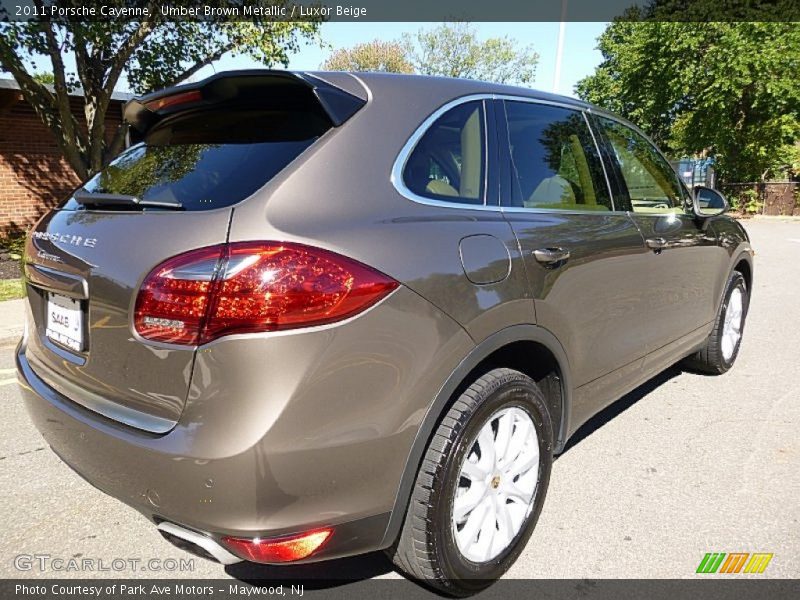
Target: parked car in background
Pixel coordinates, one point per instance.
(309, 316)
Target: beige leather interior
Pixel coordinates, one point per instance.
(441, 188)
(471, 158)
(665, 210)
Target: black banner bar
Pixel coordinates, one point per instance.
(400, 10)
(712, 588)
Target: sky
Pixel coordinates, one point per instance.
(580, 55)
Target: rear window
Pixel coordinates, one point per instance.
(207, 160)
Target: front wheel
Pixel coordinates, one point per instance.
(481, 486)
(722, 346)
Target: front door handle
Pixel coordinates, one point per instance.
(550, 256)
(657, 244)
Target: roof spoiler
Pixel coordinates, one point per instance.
(275, 89)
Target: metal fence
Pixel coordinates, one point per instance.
(776, 198)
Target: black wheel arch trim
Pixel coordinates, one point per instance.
(742, 253)
(504, 337)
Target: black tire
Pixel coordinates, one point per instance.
(426, 549)
(711, 358)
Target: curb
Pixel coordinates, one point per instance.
(10, 339)
(11, 321)
(776, 217)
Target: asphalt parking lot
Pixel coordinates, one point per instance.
(685, 465)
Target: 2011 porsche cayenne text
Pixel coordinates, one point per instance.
(325, 313)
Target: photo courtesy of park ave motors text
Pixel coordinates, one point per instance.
(414, 301)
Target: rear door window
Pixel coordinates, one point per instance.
(449, 161)
(555, 163)
(207, 160)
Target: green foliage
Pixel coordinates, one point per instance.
(747, 202)
(176, 50)
(372, 56)
(11, 289)
(13, 243)
(454, 50)
(151, 53)
(45, 78)
(730, 89)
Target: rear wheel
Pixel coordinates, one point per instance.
(481, 486)
(722, 346)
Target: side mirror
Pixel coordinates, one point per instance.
(709, 202)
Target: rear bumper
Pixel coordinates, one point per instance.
(281, 434)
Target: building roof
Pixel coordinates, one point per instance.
(7, 83)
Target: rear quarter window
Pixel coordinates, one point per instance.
(448, 163)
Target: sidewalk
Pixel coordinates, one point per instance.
(11, 321)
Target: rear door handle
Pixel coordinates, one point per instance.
(658, 243)
(550, 256)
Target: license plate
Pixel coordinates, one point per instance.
(65, 321)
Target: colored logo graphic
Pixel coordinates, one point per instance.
(735, 562)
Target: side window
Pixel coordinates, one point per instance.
(653, 186)
(449, 161)
(555, 164)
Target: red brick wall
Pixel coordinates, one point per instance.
(33, 175)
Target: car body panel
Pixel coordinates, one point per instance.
(593, 303)
(682, 278)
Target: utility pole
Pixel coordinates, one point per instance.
(560, 47)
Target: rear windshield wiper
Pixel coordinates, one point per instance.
(100, 199)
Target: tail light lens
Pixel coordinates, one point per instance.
(279, 549)
(248, 287)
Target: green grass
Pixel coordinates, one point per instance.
(10, 289)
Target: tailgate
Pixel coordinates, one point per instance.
(94, 263)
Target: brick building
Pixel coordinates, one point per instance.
(33, 174)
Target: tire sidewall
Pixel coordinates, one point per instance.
(736, 281)
(520, 393)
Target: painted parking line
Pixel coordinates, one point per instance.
(7, 381)
(7, 371)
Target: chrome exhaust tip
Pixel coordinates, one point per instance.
(194, 541)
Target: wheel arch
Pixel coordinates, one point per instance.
(529, 348)
(744, 266)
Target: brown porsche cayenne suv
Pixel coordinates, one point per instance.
(311, 315)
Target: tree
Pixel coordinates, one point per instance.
(372, 56)
(152, 53)
(453, 50)
(726, 89)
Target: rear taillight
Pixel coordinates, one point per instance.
(278, 550)
(248, 287)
